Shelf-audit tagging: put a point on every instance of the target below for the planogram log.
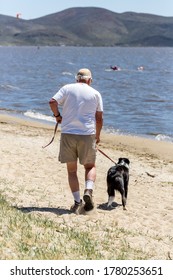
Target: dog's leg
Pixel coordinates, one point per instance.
(126, 188)
(126, 193)
(111, 193)
(123, 199)
(110, 200)
(124, 202)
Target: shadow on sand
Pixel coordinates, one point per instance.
(57, 211)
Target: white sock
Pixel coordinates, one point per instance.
(76, 196)
(89, 184)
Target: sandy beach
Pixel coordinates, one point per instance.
(36, 180)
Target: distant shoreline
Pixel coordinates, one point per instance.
(23, 120)
(136, 144)
(29, 120)
(125, 29)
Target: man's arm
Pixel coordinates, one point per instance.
(54, 107)
(99, 124)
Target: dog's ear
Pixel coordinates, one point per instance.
(119, 160)
(127, 161)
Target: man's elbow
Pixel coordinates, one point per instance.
(52, 102)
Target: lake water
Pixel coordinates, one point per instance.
(136, 102)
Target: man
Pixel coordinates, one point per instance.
(81, 124)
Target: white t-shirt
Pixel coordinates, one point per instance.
(80, 103)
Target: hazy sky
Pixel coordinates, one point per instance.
(30, 9)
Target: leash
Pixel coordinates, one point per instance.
(106, 155)
(55, 129)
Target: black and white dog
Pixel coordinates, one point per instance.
(118, 180)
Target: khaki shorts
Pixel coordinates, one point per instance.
(73, 147)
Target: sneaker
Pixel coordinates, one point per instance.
(76, 207)
(89, 205)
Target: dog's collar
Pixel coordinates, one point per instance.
(123, 164)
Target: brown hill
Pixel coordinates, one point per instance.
(88, 27)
